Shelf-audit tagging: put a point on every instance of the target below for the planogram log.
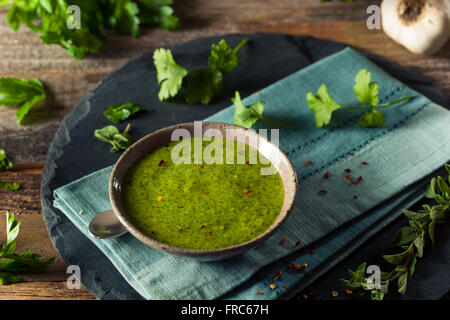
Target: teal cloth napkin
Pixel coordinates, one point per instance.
(400, 156)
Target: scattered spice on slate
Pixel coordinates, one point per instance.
(322, 192)
(299, 242)
(284, 287)
(290, 266)
(276, 278)
(326, 175)
(259, 293)
(358, 181)
(272, 286)
(348, 176)
(364, 163)
(350, 153)
(311, 252)
(308, 163)
(284, 239)
(348, 170)
(334, 293)
(297, 267)
(348, 291)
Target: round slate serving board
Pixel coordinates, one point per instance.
(75, 152)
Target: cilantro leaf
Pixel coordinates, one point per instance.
(7, 278)
(158, 12)
(203, 86)
(322, 105)
(5, 163)
(21, 92)
(372, 118)
(119, 141)
(118, 113)
(169, 74)
(223, 58)
(365, 90)
(10, 186)
(123, 16)
(246, 116)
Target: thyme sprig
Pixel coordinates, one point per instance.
(411, 239)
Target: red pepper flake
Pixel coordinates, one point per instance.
(334, 293)
(264, 177)
(205, 191)
(305, 265)
(326, 175)
(297, 267)
(161, 163)
(246, 192)
(180, 231)
(284, 287)
(276, 278)
(311, 252)
(203, 227)
(202, 166)
(364, 163)
(284, 239)
(358, 181)
(348, 170)
(348, 176)
(299, 242)
(290, 266)
(308, 163)
(272, 286)
(259, 293)
(209, 233)
(348, 291)
(350, 153)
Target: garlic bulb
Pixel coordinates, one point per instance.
(422, 26)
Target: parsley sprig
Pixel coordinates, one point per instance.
(49, 18)
(323, 105)
(11, 262)
(112, 135)
(247, 116)
(201, 85)
(118, 113)
(411, 239)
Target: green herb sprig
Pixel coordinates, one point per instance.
(6, 164)
(22, 93)
(118, 113)
(247, 116)
(112, 135)
(202, 84)
(10, 262)
(323, 105)
(49, 18)
(411, 239)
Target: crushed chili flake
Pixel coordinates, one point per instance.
(348, 291)
(276, 278)
(321, 192)
(284, 239)
(180, 231)
(299, 242)
(205, 191)
(160, 198)
(358, 181)
(203, 227)
(350, 153)
(209, 233)
(334, 293)
(304, 265)
(246, 192)
(259, 293)
(348, 170)
(326, 175)
(308, 163)
(297, 267)
(311, 252)
(272, 286)
(284, 287)
(161, 163)
(337, 162)
(364, 163)
(348, 176)
(202, 166)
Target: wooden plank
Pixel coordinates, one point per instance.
(43, 291)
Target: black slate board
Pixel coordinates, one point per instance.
(74, 152)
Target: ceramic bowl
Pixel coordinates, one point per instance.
(161, 137)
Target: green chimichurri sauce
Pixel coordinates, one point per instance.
(201, 206)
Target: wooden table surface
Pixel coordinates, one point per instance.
(22, 55)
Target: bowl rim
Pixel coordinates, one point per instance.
(197, 252)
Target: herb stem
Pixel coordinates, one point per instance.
(378, 106)
(273, 122)
(240, 45)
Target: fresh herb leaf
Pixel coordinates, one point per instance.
(411, 239)
(5, 163)
(9, 186)
(159, 13)
(372, 118)
(22, 93)
(112, 135)
(202, 84)
(366, 91)
(322, 105)
(247, 116)
(169, 74)
(11, 262)
(120, 112)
